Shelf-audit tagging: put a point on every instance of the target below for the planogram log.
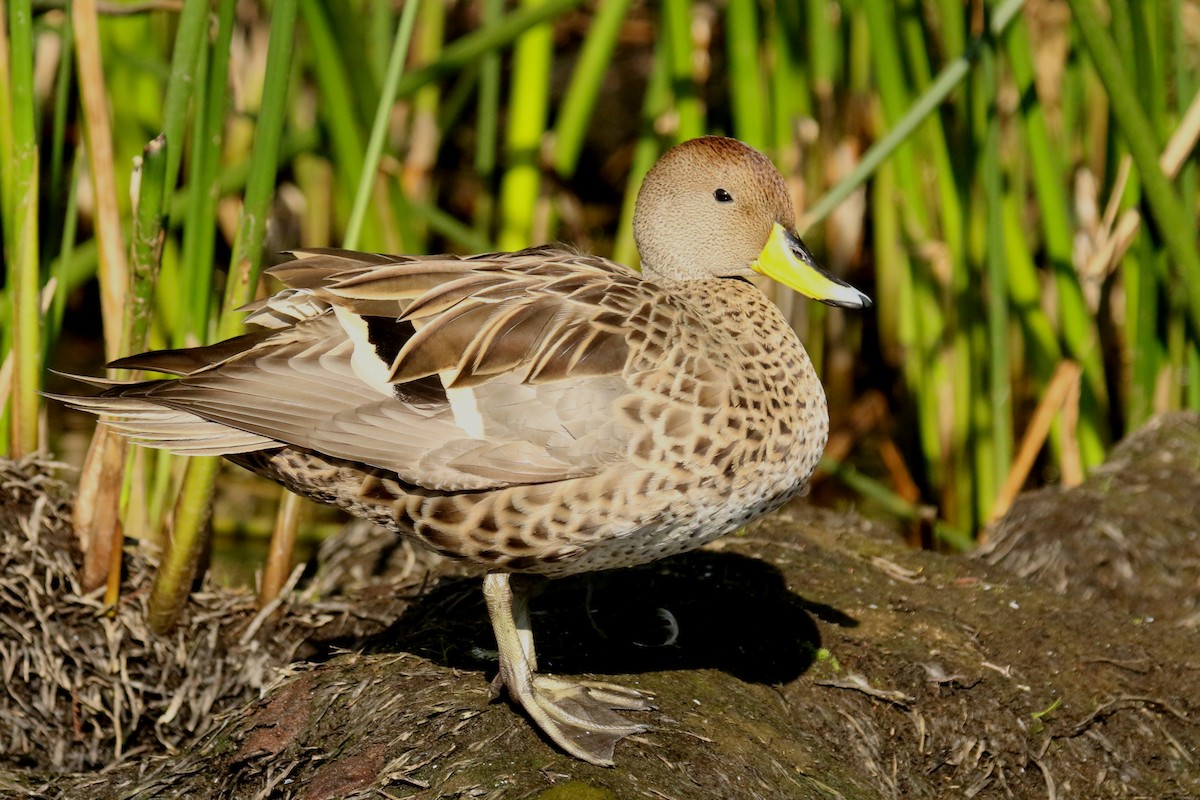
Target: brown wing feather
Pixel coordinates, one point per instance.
(504, 369)
(191, 359)
(545, 314)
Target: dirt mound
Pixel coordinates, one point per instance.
(810, 657)
(1129, 536)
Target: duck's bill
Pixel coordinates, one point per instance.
(787, 260)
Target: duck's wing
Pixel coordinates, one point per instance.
(453, 373)
(544, 314)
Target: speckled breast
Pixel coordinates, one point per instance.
(728, 421)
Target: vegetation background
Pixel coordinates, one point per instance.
(1012, 182)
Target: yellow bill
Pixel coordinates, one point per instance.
(787, 260)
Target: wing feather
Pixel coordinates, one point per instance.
(532, 347)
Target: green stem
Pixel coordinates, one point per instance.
(193, 26)
(947, 80)
(1177, 230)
(470, 48)
(677, 30)
(654, 104)
(204, 186)
(896, 505)
(366, 179)
(999, 389)
(748, 92)
(21, 232)
(487, 127)
(247, 254)
(338, 109)
(529, 99)
(584, 88)
(147, 242)
(1049, 184)
(62, 107)
(61, 268)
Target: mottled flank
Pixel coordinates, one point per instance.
(540, 411)
(695, 444)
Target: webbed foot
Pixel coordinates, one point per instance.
(580, 717)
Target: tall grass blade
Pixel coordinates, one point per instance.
(529, 98)
(21, 234)
(379, 128)
(998, 383)
(473, 46)
(947, 80)
(747, 85)
(198, 203)
(1049, 184)
(579, 99)
(189, 39)
(113, 271)
(339, 112)
(61, 184)
(676, 28)
(646, 150)
(487, 126)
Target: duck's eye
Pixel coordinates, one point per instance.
(723, 196)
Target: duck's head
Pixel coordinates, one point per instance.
(717, 208)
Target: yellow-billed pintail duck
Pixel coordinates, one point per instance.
(540, 411)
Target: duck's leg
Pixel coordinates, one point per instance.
(579, 717)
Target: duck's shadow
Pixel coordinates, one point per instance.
(700, 610)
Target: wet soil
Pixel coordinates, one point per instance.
(811, 656)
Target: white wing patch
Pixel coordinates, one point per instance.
(366, 364)
(465, 407)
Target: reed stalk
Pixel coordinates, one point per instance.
(113, 269)
(582, 91)
(677, 32)
(21, 234)
(199, 206)
(529, 95)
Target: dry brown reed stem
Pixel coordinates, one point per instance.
(113, 272)
(1059, 393)
(1071, 461)
(95, 517)
(279, 556)
(869, 415)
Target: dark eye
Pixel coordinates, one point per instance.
(723, 196)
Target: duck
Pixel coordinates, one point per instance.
(543, 412)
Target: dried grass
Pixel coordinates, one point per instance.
(85, 686)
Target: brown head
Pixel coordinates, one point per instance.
(717, 208)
